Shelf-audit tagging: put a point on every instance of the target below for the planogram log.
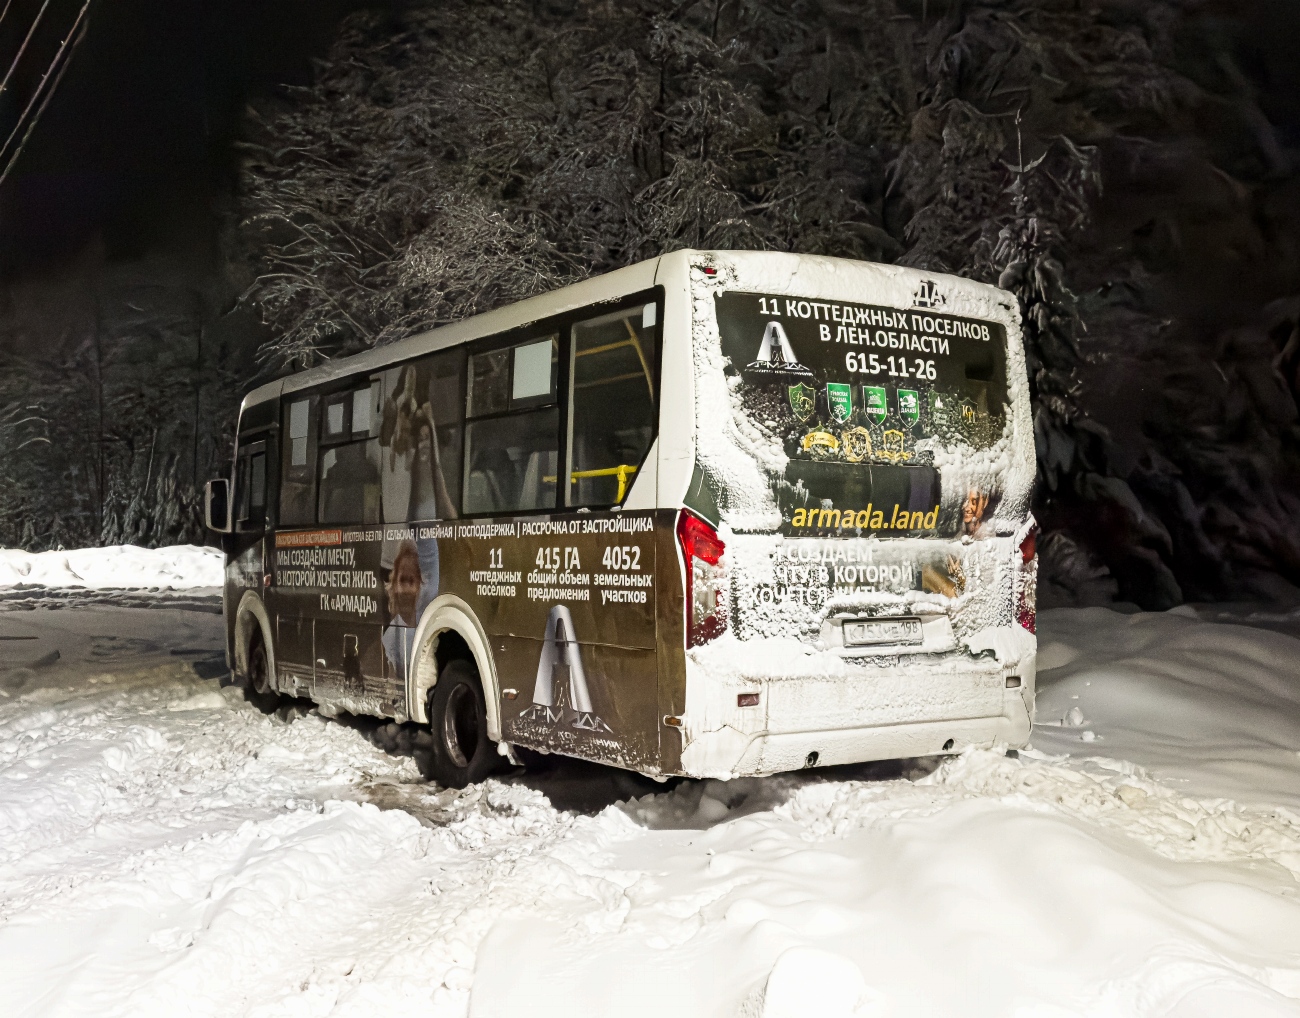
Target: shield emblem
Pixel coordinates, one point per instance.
(839, 400)
(909, 405)
(873, 399)
(894, 449)
(802, 400)
(856, 443)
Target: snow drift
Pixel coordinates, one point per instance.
(165, 848)
(123, 567)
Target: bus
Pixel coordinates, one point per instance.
(718, 513)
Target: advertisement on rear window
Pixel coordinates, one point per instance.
(861, 397)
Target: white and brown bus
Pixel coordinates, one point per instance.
(713, 514)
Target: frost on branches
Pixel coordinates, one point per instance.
(1110, 164)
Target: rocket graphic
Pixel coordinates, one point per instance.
(562, 661)
(776, 360)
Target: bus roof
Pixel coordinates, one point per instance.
(607, 286)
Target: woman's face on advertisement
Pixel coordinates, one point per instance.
(404, 588)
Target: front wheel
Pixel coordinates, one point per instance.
(258, 689)
(462, 752)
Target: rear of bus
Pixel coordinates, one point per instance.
(856, 542)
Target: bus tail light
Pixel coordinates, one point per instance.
(1027, 582)
(706, 579)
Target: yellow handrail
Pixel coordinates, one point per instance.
(633, 341)
(621, 471)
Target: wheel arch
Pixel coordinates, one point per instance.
(251, 617)
(449, 614)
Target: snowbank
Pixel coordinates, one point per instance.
(166, 849)
(124, 567)
(1210, 709)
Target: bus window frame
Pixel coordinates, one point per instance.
(321, 442)
(654, 295)
(249, 445)
(544, 328)
(559, 325)
(284, 456)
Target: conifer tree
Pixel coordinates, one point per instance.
(454, 157)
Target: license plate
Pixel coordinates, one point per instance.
(869, 632)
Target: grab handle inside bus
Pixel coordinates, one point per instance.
(623, 471)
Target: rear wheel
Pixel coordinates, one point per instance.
(258, 689)
(462, 752)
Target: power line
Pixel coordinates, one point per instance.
(49, 93)
(18, 125)
(23, 48)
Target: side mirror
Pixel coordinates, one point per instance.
(216, 505)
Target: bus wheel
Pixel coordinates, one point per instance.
(258, 691)
(462, 751)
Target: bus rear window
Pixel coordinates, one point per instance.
(861, 397)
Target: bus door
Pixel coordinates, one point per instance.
(289, 600)
(348, 661)
(326, 600)
(245, 545)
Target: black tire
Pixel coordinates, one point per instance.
(257, 689)
(462, 752)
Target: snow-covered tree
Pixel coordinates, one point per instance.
(118, 390)
(1102, 159)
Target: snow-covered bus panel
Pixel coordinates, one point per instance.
(768, 704)
(807, 369)
(862, 444)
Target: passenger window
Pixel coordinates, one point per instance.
(298, 480)
(349, 483)
(611, 404)
(361, 400)
(420, 477)
(446, 386)
(510, 462)
(348, 478)
(298, 428)
(512, 448)
(336, 414)
(489, 379)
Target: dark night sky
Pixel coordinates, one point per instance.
(135, 146)
(136, 143)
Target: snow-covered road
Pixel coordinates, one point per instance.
(166, 849)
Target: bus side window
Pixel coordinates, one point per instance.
(611, 403)
(348, 486)
(422, 399)
(298, 459)
(512, 447)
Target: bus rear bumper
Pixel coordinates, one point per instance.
(728, 753)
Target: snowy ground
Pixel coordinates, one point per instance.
(124, 566)
(166, 849)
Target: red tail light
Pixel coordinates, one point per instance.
(1027, 582)
(706, 579)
